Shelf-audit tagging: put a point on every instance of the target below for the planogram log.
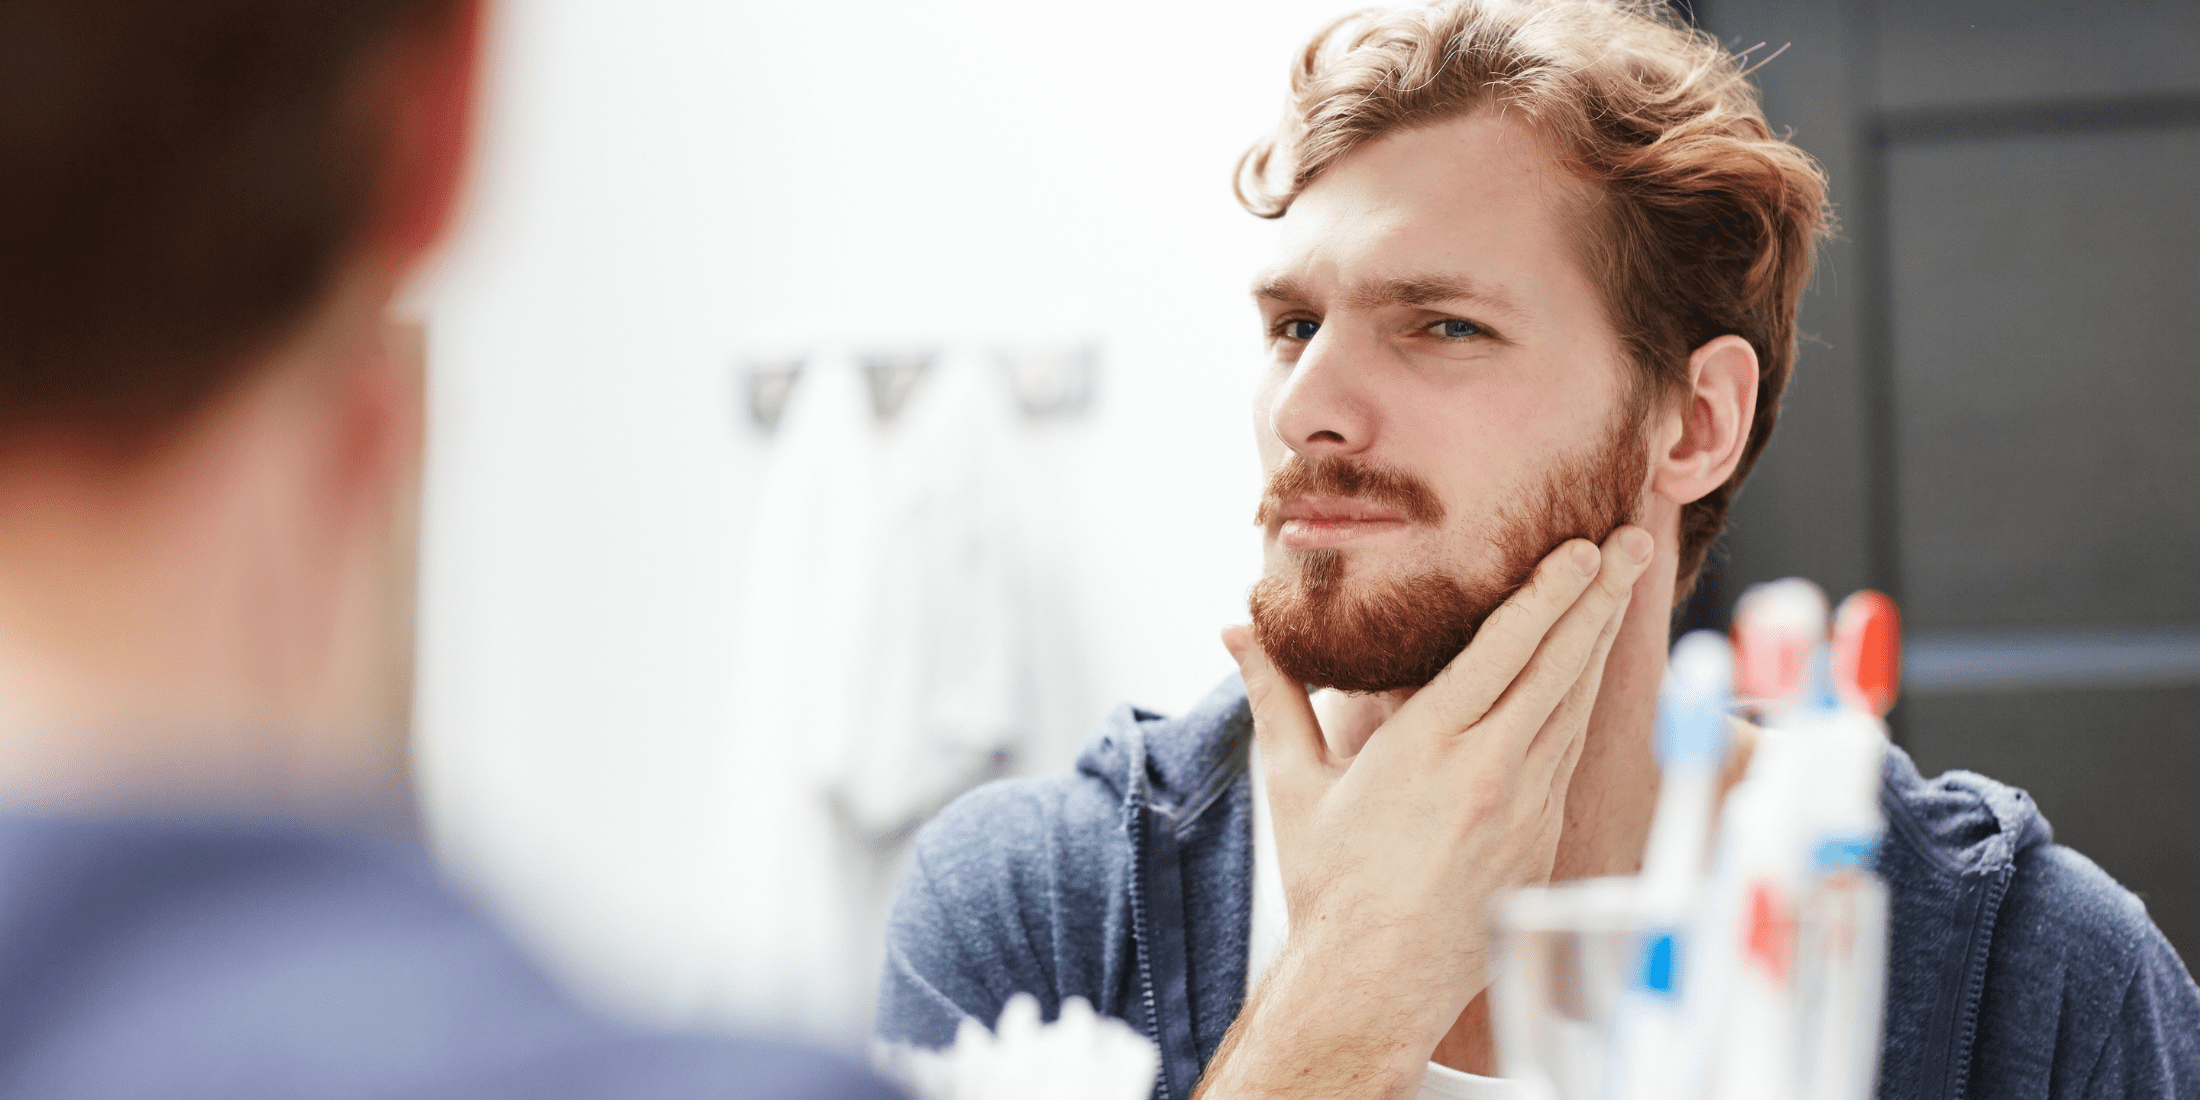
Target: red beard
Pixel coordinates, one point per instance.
(1399, 633)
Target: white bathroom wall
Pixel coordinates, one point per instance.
(667, 187)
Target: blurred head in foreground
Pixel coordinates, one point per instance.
(1539, 274)
(206, 426)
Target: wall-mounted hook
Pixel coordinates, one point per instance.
(893, 376)
(766, 384)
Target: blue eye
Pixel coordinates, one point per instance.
(1457, 330)
(1301, 329)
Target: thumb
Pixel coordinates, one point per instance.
(1283, 718)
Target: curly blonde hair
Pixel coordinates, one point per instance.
(1704, 222)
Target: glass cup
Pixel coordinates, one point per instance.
(1562, 965)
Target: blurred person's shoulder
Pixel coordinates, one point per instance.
(2018, 966)
(243, 957)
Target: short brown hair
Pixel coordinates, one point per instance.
(179, 181)
(1705, 224)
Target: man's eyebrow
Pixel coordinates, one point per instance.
(1431, 290)
(1400, 290)
(1279, 288)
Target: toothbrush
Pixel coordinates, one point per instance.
(1652, 1055)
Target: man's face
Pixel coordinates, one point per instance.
(1445, 402)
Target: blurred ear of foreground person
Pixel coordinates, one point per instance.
(207, 432)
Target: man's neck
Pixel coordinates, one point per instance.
(167, 621)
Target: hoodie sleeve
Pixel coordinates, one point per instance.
(1016, 887)
(2084, 997)
(951, 920)
(928, 986)
(2154, 1049)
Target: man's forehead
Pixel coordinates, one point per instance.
(1470, 214)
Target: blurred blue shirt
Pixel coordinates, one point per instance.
(247, 958)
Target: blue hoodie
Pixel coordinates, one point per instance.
(2016, 969)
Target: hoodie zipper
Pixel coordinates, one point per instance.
(1140, 920)
(1974, 983)
(1157, 929)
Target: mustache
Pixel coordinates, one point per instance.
(1337, 475)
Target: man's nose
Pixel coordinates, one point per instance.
(1326, 407)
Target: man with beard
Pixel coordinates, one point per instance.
(1529, 330)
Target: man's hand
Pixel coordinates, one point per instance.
(1390, 858)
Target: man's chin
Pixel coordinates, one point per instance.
(1370, 636)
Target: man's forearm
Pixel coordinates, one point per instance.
(1305, 1034)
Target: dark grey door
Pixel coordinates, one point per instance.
(1994, 411)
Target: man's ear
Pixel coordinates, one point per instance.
(373, 500)
(430, 87)
(1702, 432)
(380, 410)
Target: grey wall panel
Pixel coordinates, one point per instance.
(2017, 317)
(2046, 302)
(1967, 52)
(1803, 509)
(2117, 772)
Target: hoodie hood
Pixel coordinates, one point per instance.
(1961, 822)
(1189, 760)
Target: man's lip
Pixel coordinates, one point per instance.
(1321, 523)
(1328, 509)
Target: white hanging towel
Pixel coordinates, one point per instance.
(948, 699)
(881, 670)
(795, 690)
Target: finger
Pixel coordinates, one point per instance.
(1529, 700)
(1571, 716)
(1557, 746)
(1283, 718)
(1474, 680)
(1575, 737)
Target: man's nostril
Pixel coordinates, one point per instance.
(1325, 436)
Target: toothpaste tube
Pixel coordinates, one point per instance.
(1843, 933)
(1750, 958)
(1750, 930)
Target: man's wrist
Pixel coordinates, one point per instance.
(1305, 1033)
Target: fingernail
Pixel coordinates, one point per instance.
(1234, 639)
(1586, 559)
(1636, 544)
